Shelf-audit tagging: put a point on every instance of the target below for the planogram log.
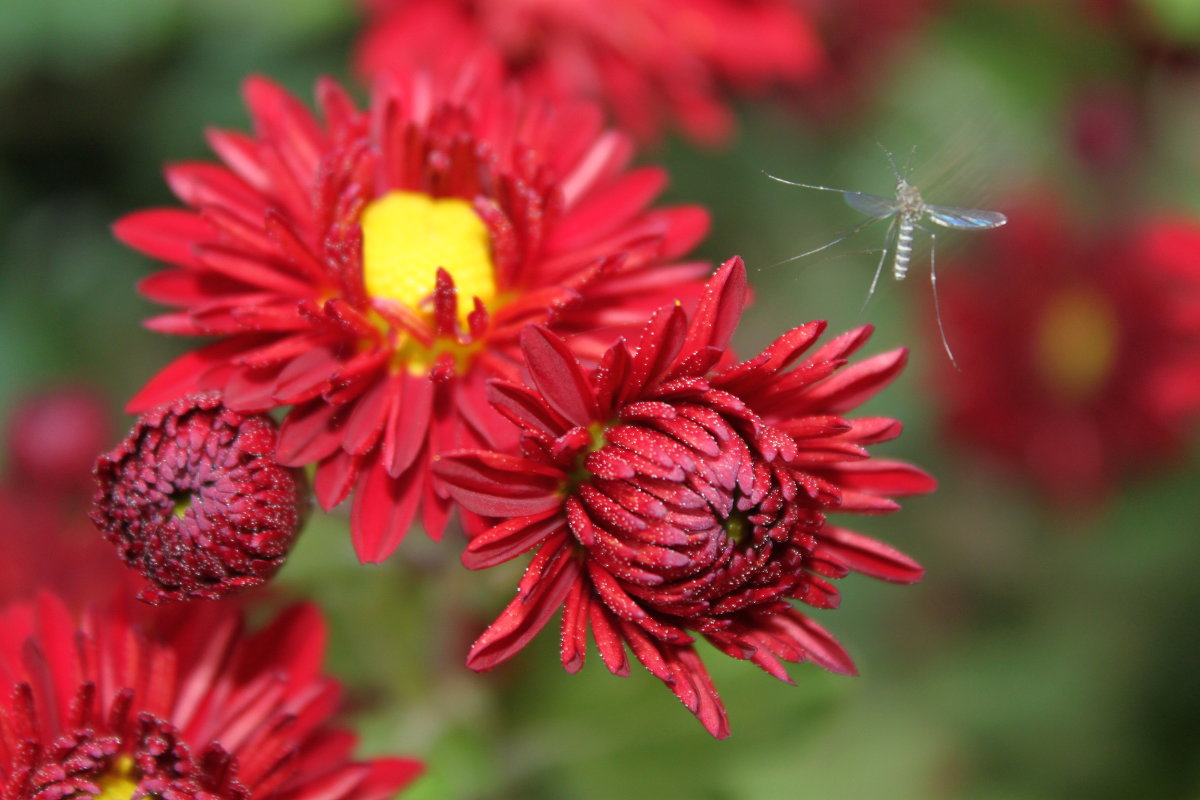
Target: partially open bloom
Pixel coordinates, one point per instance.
(180, 706)
(649, 60)
(670, 491)
(1080, 352)
(196, 502)
(373, 270)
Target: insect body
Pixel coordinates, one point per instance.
(906, 211)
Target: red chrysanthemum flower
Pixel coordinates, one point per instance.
(177, 706)
(1080, 351)
(373, 271)
(196, 502)
(649, 60)
(668, 492)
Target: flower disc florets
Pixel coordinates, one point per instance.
(195, 500)
(670, 492)
(373, 269)
(174, 704)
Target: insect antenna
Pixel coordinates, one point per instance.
(891, 162)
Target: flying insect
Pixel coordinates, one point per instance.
(906, 211)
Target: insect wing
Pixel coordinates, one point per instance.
(872, 205)
(965, 219)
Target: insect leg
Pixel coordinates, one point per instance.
(937, 306)
(865, 223)
(887, 245)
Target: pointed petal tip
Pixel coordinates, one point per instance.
(733, 264)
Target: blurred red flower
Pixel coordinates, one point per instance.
(649, 60)
(671, 491)
(330, 258)
(46, 539)
(1080, 350)
(174, 705)
(52, 438)
(862, 39)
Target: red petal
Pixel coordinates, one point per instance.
(686, 227)
(573, 639)
(719, 310)
(240, 153)
(557, 375)
(524, 407)
(250, 389)
(608, 209)
(864, 554)
(383, 511)
(694, 687)
(819, 646)
(336, 106)
(167, 234)
(511, 538)
(657, 348)
(408, 423)
(285, 121)
(201, 183)
(367, 417)
(255, 272)
(335, 477)
(182, 376)
(851, 386)
(387, 776)
(306, 376)
(608, 639)
(497, 485)
(308, 434)
(884, 477)
(550, 577)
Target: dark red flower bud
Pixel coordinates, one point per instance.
(195, 500)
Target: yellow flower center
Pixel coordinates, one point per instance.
(1077, 342)
(121, 782)
(408, 235)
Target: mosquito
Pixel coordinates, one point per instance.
(905, 210)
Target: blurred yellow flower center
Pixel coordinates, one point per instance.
(120, 783)
(1077, 342)
(408, 235)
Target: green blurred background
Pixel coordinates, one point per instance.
(1046, 654)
